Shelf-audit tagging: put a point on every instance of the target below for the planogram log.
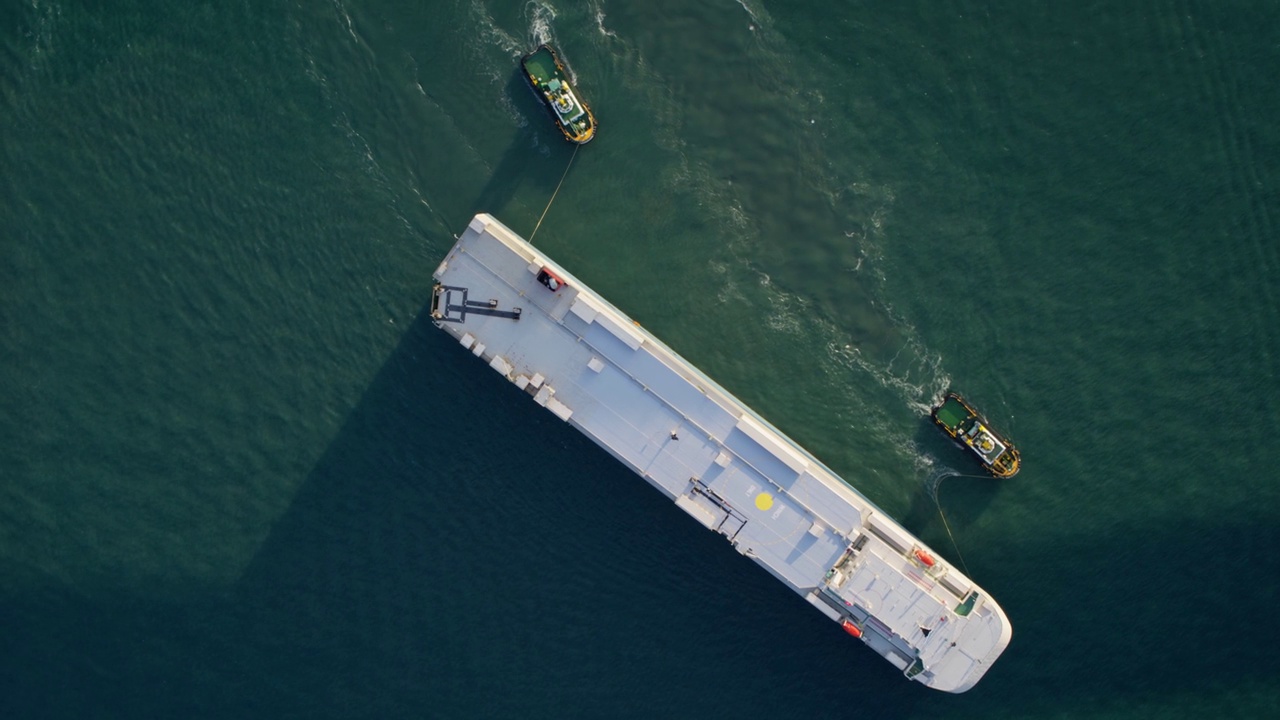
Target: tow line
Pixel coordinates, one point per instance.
(557, 192)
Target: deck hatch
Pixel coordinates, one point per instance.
(768, 441)
(728, 520)
(629, 337)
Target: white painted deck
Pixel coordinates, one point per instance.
(728, 468)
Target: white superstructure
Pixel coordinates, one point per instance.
(594, 368)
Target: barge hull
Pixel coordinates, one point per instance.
(586, 362)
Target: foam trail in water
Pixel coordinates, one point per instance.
(42, 35)
(540, 16)
(345, 18)
(490, 33)
(932, 484)
(755, 14)
(597, 9)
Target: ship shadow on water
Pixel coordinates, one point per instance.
(455, 537)
(537, 154)
(459, 552)
(957, 487)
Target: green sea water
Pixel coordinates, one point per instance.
(241, 475)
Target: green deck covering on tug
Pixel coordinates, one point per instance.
(969, 428)
(550, 80)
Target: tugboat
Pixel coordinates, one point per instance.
(550, 81)
(969, 428)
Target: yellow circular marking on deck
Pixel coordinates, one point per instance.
(764, 501)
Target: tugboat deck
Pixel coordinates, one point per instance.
(970, 429)
(549, 79)
(541, 65)
(724, 465)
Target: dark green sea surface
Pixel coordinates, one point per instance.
(241, 476)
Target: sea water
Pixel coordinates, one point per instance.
(242, 476)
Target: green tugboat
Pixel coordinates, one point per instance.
(971, 429)
(550, 81)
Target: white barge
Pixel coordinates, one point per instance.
(589, 364)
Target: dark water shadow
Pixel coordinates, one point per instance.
(456, 536)
(964, 490)
(459, 552)
(455, 539)
(537, 153)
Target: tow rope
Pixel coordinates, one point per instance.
(557, 192)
